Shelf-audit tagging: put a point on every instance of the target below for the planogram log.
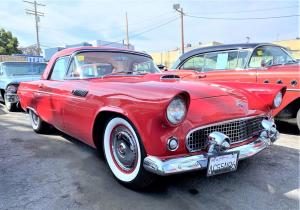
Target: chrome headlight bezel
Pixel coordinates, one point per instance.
(11, 89)
(278, 99)
(176, 110)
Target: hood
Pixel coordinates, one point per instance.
(152, 86)
(22, 78)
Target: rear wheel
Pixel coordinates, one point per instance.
(38, 125)
(298, 119)
(125, 154)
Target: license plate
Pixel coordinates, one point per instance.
(222, 163)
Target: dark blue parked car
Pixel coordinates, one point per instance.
(11, 74)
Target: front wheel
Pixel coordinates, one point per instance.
(38, 125)
(124, 154)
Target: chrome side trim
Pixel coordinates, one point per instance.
(291, 89)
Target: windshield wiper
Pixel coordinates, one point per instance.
(290, 62)
(126, 72)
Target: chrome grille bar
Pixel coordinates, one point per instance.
(237, 130)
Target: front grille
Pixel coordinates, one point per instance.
(237, 131)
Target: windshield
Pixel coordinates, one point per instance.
(99, 64)
(22, 68)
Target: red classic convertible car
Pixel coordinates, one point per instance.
(148, 123)
(251, 62)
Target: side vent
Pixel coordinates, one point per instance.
(80, 93)
(170, 77)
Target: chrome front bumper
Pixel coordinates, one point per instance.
(170, 166)
(11, 97)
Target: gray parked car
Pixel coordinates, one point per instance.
(11, 74)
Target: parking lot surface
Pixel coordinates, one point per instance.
(56, 171)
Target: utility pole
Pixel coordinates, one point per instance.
(37, 15)
(177, 8)
(127, 36)
(248, 39)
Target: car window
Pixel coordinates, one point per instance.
(195, 63)
(268, 56)
(223, 60)
(217, 61)
(59, 69)
(242, 59)
(99, 64)
(23, 68)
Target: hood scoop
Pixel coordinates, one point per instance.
(170, 77)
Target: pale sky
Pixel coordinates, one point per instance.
(75, 21)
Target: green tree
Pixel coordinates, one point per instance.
(8, 43)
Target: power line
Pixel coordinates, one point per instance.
(145, 31)
(154, 28)
(37, 15)
(248, 18)
(250, 11)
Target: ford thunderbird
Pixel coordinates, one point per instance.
(251, 62)
(149, 123)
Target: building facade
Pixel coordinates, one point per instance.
(49, 52)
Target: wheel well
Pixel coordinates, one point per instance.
(290, 111)
(100, 124)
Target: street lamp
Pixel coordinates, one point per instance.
(177, 8)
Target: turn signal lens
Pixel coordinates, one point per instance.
(172, 144)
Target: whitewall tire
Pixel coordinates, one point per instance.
(298, 119)
(125, 154)
(38, 125)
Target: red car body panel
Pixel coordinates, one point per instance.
(288, 75)
(143, 100)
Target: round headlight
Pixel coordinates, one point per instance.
(11, 89)
(277, 99)
(176, 110)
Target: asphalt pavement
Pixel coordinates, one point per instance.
(55, 171)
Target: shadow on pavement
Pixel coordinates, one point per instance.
(287, 128)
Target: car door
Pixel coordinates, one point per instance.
(50, 96)
(78, 109)
(221, 65)
(269, 62)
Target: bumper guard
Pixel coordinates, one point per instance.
(196, 162)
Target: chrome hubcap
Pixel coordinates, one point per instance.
(124, 148)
